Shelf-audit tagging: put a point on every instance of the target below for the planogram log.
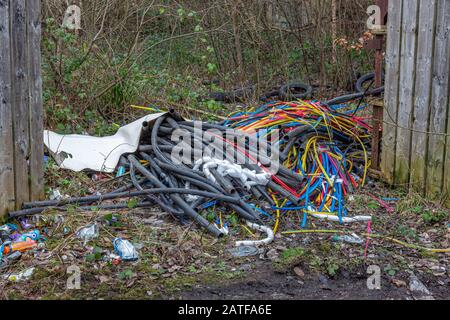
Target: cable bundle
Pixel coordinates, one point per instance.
(329, 147)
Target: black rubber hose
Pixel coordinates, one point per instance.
(264, 193)
(277, 188)
(176, 198)
(165, 206)
(344, 99)
(154, 139)
(366, 78)
(243, 209)
(226, 184)
(39, 206)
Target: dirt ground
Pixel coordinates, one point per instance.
(183, 262)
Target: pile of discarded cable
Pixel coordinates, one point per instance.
(331, 149)
(186, 167)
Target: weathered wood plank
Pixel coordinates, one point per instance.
(406, 92)
(446, 183)
(20, 100)
(422, 93)
(36, 111)
(437, 161)
(392, 87)
(7, 200)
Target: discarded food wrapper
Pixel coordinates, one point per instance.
(125, 249)
(24, 275)
(7, 229)
(25, 224)
(89, 232)
(32, 235)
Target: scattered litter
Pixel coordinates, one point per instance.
(7, 229)
(22, 276)
(25, 224)
(88, 233)
(265, 241)
(388, 208)
(390, 199)
(125, 249)
(416, 286)
(353, 238)
(244, 251)
(55, 195)
(22, 246)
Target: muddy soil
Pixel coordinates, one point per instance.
(266, 284)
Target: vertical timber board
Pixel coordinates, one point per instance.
(438, 157)
(36, 111)
(422, 93)
(447, 158)
(406, 91)
(391, 94)
(20, 99)
(7, 200)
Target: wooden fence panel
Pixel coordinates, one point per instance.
(415, 148)
(406, 91)
(36, 109)
(20, 99)
(393, 49)
(21, 116)
(7, 199)
(422, 92)
(439, 102)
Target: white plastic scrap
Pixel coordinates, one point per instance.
(256, 243)
(87, 233)
(225, 168)
(56, 195)
(344, 219)
(79, 152)
(24, 275)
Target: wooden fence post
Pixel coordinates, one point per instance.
(21, 114)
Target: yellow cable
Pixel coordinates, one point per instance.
(372, 235)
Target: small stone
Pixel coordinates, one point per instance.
(399, 283)
(299, 272)
(245, 267)
(272, 254)
(325, 284)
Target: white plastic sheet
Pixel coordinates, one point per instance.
(78, 152)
